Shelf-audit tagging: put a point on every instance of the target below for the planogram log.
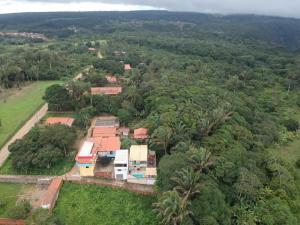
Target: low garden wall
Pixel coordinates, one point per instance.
(5, 221)
(136, 188)
(25, 179)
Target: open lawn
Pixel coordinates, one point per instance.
(8, 196)
(20, 106)
(95, 205)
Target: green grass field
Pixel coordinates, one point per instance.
(95, 205)
(8, 196)
(20, 106)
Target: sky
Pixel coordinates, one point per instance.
(286, 8)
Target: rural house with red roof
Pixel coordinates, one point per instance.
(127, 67)
(140, 134)
(106, 90)
(60, 120)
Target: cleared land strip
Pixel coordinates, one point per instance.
(4, 153)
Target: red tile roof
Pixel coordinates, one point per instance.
(50, 197)
(88, 160)
(127, 67)
(104, 132)
(60, 120)
(106, 90)
(105, 144)
(111, 79)
(140, 133)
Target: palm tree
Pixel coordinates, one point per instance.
(187, 183)
(199, 158)
(162, 136)
(172, 208)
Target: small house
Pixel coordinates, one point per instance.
(92, 49)
(138, 156)
(140, 134)
(127, 67)
(121, 165)
(106, 90)
(85, 159)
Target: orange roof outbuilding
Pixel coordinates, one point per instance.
(111, 79)
(106, 90)
(127, 67)
(140, 133)
(60, 120)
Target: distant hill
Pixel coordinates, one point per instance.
(284, 32)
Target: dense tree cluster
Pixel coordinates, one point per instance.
(217, 96)
(42, 148)
(31, 65)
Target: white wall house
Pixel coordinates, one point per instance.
(121, 165)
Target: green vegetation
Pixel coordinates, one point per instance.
(44, 148)
(58, 169)
(95, 205)
(8, 197)
(18, 107)
(20, 211)
(218, 94)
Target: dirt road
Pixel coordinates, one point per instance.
(4, 153)
(79, 75)
(99, 55)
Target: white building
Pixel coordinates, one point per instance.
(121, 165)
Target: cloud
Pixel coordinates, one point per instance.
(290, 8)
(12, 6)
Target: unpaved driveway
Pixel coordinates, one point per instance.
(4, 153)
(99, 55)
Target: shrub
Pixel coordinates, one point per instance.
(2, 204)
(291, 125)
(298, 163)
(20, 211)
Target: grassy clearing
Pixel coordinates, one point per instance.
(290, 153)
(20, 106)
(8, 196)
(95, 205)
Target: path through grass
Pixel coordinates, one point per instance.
(20, 106)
